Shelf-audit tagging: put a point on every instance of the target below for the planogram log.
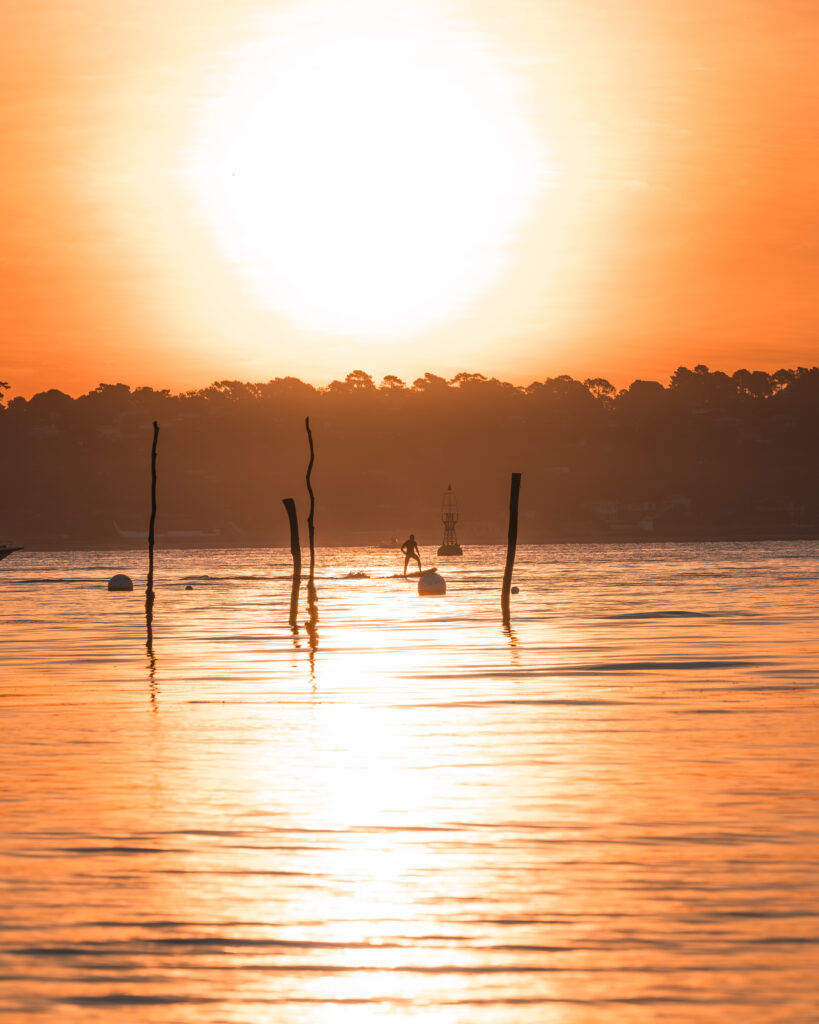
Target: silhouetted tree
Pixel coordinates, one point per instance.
(599, 387)
(358, 380)
(782, 378)
(430, 382)
(463, 380)
(756, 384)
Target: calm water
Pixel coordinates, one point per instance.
(607, 814)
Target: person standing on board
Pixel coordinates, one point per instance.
(410, 549)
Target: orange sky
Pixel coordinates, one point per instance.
(676, 218)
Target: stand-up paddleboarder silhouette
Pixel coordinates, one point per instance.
(410, 549)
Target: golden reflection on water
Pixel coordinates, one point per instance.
(604, 813)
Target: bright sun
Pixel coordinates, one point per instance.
(364, 165)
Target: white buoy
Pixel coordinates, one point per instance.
(431, 585)
(120, 582)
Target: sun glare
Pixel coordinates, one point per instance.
(364, 166)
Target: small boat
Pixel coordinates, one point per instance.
(6, 551)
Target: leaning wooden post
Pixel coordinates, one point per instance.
(149, 590)
(312, 603)
(511, 545)
(295, 550)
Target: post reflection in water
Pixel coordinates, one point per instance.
(606, 817)
(511, 635)
(152, 687)
(311, 624)
(149, 645)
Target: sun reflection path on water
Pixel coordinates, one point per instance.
(611, 819)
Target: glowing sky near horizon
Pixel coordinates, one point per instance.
(249, 189)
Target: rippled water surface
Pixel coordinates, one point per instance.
(606, 813)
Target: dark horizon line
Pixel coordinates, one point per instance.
(361, 381)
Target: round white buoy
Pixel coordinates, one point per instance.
(120, 582)
(431, 585)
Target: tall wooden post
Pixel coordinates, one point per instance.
(312, 603)
(310, 514)
(295, 551)
(149, 590)
(511, 545)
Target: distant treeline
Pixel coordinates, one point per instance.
(710, 455)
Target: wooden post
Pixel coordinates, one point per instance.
(149, 591)
(310, 514)
(511, 545)
(295, 550)
(312, 604)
